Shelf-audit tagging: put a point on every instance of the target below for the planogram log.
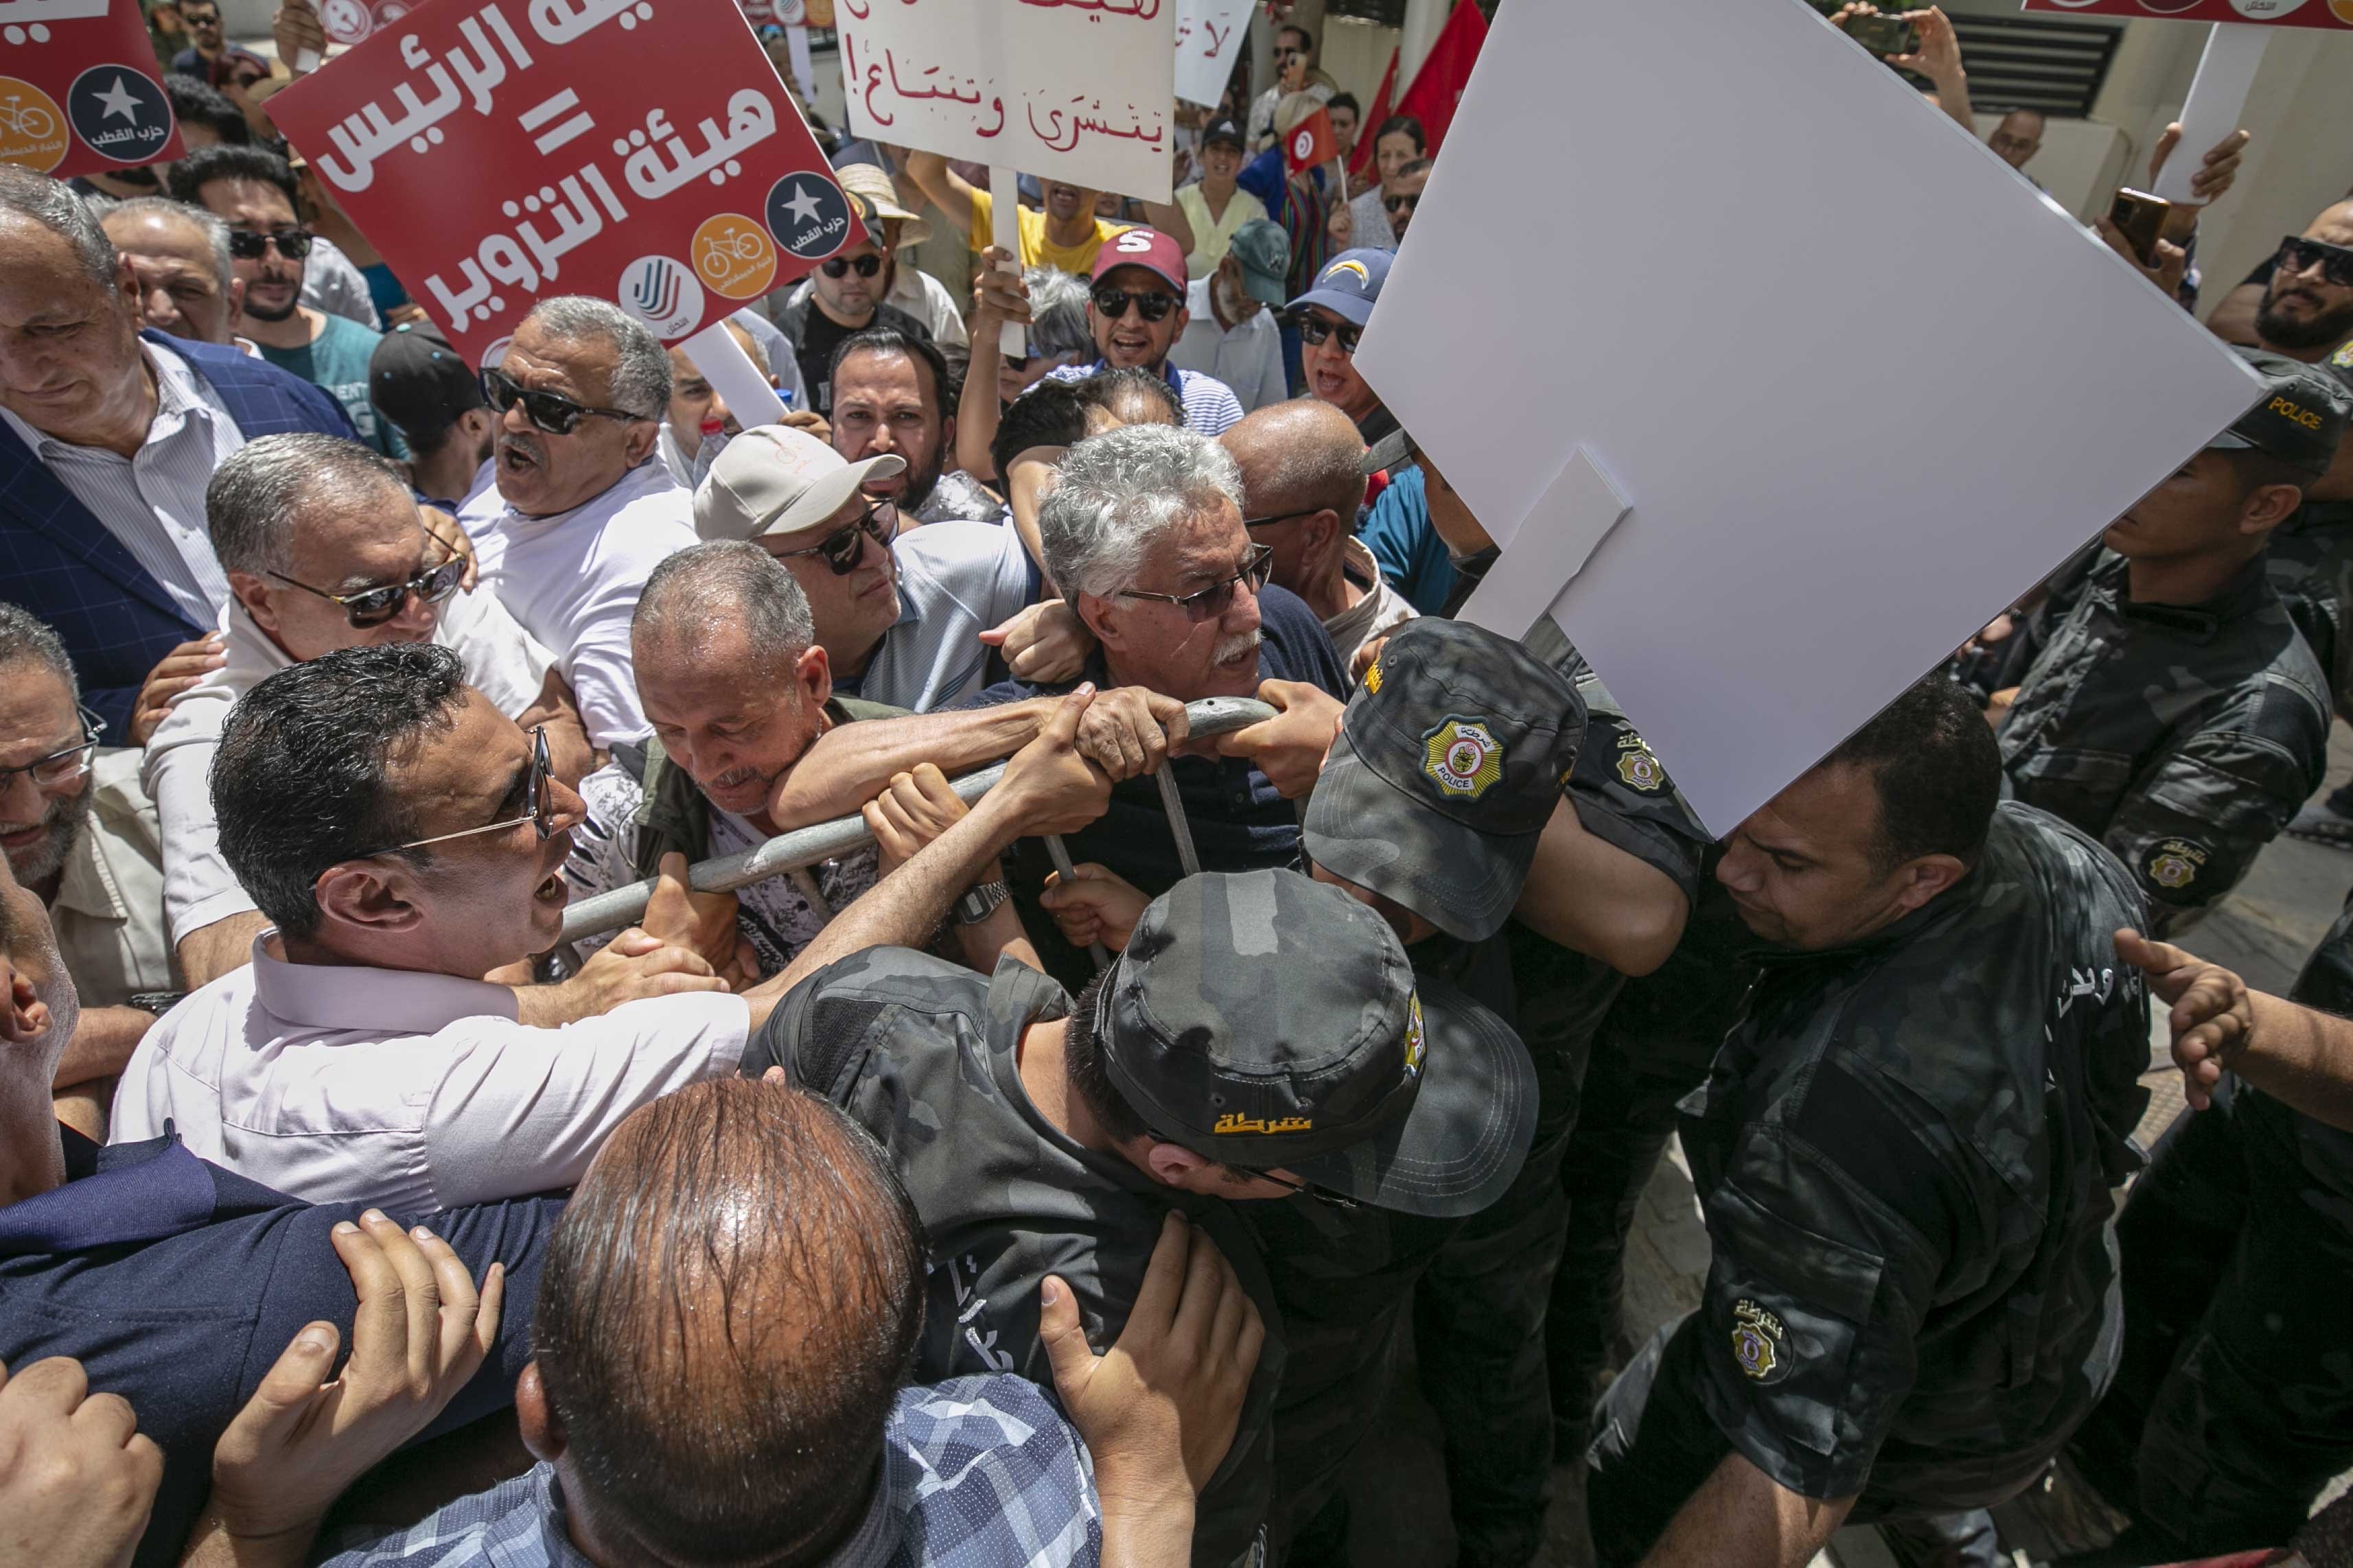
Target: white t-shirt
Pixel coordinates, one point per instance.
(335, 1083)
(573, 580)
(502, 662)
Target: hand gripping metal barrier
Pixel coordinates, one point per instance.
(821, 841)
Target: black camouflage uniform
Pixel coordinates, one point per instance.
(2233, 1404)
(1904, 1152)
(1453, 755)
(2184, 736)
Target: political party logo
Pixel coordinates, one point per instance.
(2264, 10)
(2174, 864)
(1757, 1336)
(2342, 10)
(792, 12)
(119, 114)
(346, 21)
(32, 130)
(1637, 766)
(733, 256)
(809, 216)
(1462, 757)
(496, 354)
(662, 293)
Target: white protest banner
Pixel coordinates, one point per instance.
(1208, 32)
(500, 153)
(1846, 439)
(1067, 90)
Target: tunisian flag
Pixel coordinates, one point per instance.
(1310, 143)
(1360, 158)
(1438, 87)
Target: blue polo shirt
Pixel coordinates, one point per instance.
(178, 1284)
(1240, 822)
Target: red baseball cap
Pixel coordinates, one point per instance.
(1145, 247)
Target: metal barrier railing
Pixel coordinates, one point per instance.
(788, 852)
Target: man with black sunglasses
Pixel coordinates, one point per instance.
(844, 299)
(1137, 310)
(581, 507)
(324, 549)
(1401, 194)
(1330, 316)
(253, 191)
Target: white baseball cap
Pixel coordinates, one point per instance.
(772, 480)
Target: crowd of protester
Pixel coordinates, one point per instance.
(1072, 1173)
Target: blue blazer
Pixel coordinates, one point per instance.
(62, 564)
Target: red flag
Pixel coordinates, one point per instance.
(1437, 85)
(1310, 143)
(1361, 159)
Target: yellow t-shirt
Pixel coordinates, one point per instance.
(1035, 249)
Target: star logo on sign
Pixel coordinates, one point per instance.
(118, 100)
(802, 206)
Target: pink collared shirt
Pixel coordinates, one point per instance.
(414, 1092)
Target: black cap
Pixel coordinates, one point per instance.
(1223, 130)
(419, 383)
(1449, 762)
(1267, 1021)
(2301, 417)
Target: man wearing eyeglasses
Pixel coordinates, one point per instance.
(1136, 310)
(405, 839)
(81, 836)
(254, 192)
(582, 507)
(844, 299)
(324, 549)
(1330, 318)
(1263, 1040)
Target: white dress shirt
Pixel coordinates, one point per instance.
(415, 1092)
(502, 662)
(1248, 358)
(154, 501)
(573, 580)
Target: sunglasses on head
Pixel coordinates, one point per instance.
(293, 244)
(1313, 330)
(2296, 253)
(374, 607)
(1404, 201)
(1153, 305)
(549, 411)
(867, 266)
(1208, 603)
(843, 548)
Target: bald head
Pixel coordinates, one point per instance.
(2018, 138)
(728, 1309)
(1300, 455)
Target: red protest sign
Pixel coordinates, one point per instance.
(2330, 14)
(497, 155)
(79, 93)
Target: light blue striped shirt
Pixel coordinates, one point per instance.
(155, 501)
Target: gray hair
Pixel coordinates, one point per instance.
(40, 199)
(1058, 312)
(1119, 491)
(208, 223)
(266, 486)
(640, 365)
(727, 582)
(24, 634)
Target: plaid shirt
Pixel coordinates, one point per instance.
(977, 1472)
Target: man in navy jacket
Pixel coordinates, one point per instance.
(108, 437)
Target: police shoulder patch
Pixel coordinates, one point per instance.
(1462, 757)
(1756, 1342)
(2343, 357)
(1636, 766)
(2175, 863)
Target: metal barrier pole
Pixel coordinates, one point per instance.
(619, 907)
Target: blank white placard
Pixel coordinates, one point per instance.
(1860, 384)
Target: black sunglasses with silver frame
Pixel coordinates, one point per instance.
(844, 547)
(549, 411)
(539, 804)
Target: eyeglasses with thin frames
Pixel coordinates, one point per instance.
(63, 767)
(846, 546)
(549, 411)
(1208, 603)
(538, 801)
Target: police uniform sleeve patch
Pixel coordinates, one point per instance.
(2175, 863)
(1462, 757)
(1757, 1338)
(1637, 767)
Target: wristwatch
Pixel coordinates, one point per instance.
(980, 901)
